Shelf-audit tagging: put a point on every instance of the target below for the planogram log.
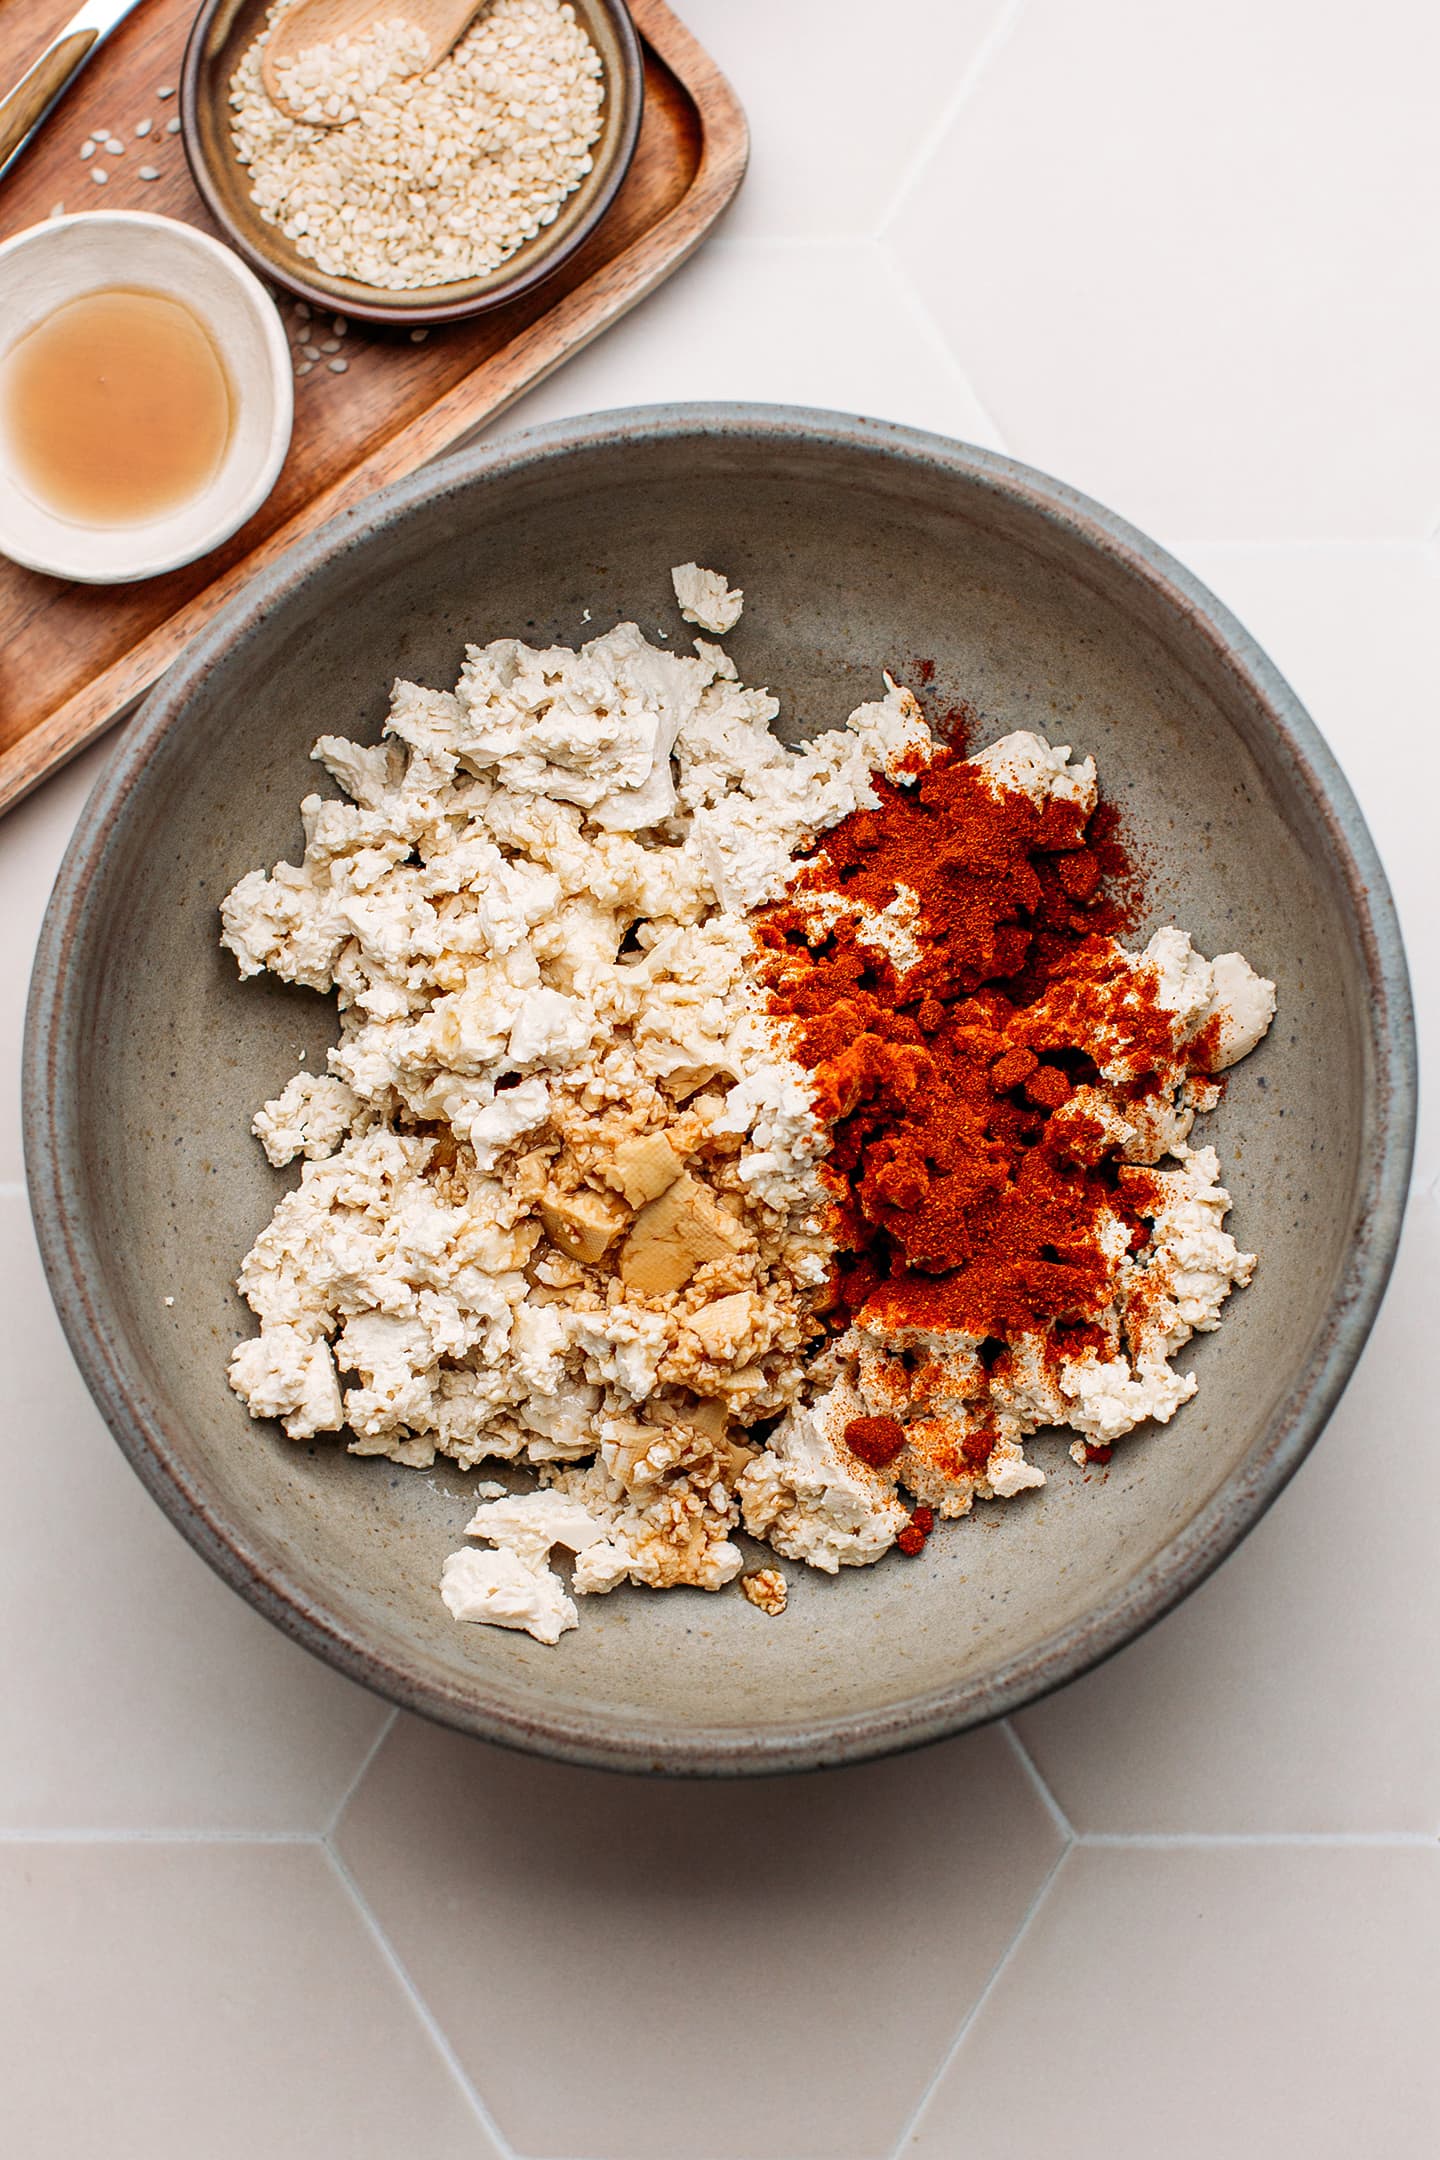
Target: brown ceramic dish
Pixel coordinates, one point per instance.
(858, 545)
(225, 28)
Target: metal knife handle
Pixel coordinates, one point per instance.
(27, 104)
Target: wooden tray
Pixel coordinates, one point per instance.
(74, 658)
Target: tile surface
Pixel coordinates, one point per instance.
(140, 1692)
(1231, 2000)
(834, 324)
(1298, 1689)
(1357, 632)
(841, 109)
(220, 1999)
(770, 1942)
(1186, 262)
(1183, 260)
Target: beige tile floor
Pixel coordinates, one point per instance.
(1188, 1907)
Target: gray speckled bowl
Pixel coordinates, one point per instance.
(859, 546)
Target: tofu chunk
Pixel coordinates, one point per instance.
(726, 1325)
(676, 1234)
(646, 1166)
(583, 1224)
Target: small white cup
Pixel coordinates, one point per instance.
(50, 264)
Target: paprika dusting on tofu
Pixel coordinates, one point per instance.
(971, 1164)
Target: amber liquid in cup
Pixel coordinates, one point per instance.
(116, 408)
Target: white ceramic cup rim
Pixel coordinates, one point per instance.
(42, 546)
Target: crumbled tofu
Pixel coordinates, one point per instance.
(310, 1117)
(532, 1524)
(563, 1200)
(766, 1588)
(705, 598)
(498, 1588)
(812, 1500)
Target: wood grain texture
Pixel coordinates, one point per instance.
(73, 658)
(44, 81)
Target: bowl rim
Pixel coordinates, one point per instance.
(593, 1736)
(242, 506)
(412, 314)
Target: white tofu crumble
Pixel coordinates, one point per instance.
(562, 1196)
(705, 598)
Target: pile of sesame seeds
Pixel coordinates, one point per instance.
(327, 84)
(439, 177)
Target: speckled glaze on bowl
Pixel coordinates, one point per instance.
(859, 545)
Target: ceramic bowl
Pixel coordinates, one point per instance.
(67, 257)
(859, 547)
(223, 30)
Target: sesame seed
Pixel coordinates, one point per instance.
(115, 147)
(418, 337)
(87, 150)
(338, 367)
(311, 352)
(340, 327)
(330, 344)
(98, 135)
(57, 209)
(142, 129)
(99, 175)
(165, 90)
(172, 127)
(149, 172)
(442, 182)
(302, 309)
(304, 367)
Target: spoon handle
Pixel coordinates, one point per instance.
(27, 104)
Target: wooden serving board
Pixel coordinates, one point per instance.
(74, 658)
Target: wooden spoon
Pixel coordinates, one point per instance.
(442, 23)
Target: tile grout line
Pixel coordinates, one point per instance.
(1105, 1840)
(439, 2040)
(386, 1728)
(992, 1980)
(949, 358)
(160, 1837)
(1003, 23)
(1262, 1840)
(1031, 1768)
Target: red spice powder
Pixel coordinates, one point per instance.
(876, 1440)
(911, 1540)
(962, 1200)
